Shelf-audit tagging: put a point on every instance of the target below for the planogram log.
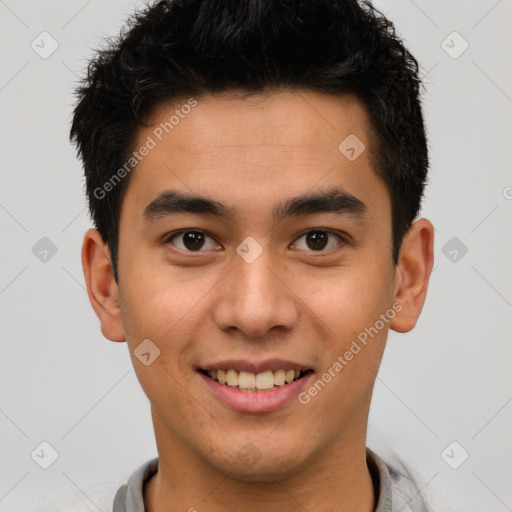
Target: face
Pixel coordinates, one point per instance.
(250, 242)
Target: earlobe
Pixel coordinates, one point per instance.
(101, 286)
(413, 273)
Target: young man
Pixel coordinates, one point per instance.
(254, 171)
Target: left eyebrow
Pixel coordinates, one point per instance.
(334, 200)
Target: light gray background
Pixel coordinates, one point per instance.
(449, 380)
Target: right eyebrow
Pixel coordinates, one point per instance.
(176, 202)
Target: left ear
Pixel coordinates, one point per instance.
(412, 275)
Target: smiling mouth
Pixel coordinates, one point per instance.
(255, 382)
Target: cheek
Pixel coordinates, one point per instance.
(353, 351)
(347, 301)
(163, 305)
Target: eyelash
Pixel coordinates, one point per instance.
(342, 239)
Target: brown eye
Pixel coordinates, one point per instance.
(316, 240)
(192, 241)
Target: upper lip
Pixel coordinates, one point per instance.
(255, 366)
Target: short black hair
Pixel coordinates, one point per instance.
(185, 48)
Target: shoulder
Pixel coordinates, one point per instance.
(398, 488)
(105, 496)
(97, 497)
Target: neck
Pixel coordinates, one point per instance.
(336, 479)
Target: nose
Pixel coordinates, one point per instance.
(256, 298)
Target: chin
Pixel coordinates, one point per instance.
(263, 464)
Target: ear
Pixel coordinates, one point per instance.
(413, 271)
(101, 287)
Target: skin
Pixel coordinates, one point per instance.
(293, 302)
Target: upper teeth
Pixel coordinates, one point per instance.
(249, 380)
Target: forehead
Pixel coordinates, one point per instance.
(244, 148)
(282, 119)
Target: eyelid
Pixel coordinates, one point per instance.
(342, 237)
(168, 238)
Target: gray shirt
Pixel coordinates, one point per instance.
(395, 491)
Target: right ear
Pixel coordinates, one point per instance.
(101, 286)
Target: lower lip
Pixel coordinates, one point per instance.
(257, 401)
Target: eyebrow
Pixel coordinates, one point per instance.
(335, 200)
